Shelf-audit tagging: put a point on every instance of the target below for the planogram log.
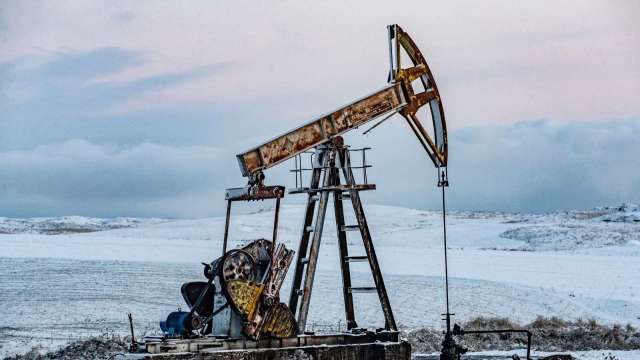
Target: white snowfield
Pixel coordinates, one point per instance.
(577, 264)
(66, 224)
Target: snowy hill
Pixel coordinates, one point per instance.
(566, 230)
(67, 224)
(600, 227)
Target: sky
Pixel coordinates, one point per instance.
(125, 108)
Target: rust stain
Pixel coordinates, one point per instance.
(399, 95)
(252, 160)
(321, 130)
(292, 143)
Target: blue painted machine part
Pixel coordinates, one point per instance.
(177, 323)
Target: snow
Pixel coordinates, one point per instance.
(64, 278)
(579, 355)
(66, 224)
(626, 213)
(607, 355)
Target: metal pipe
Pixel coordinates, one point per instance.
(391, 31)
(226, 228)
(300, 169)
(379, 122)
(364, 164)
(275, 233)
(134, 346)
(295, 171)
(442, 183)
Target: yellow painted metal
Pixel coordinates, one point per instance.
(279, 322)
(244, 296)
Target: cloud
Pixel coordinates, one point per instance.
(538, 166)
(499, 62)
(71, 96)
(120, 78)
(78, 177)
(73, 84)
(531, 166)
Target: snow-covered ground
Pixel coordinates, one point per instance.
(67, 225)
(60, 281)
(579, 355)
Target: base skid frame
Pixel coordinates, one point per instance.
(383, 345)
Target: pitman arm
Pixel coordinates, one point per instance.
(398, 96)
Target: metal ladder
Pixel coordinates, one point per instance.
(332, 160)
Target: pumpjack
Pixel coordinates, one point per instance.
(332, 172)
(240, 301)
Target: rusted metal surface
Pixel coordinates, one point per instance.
(257, 300)
(398, 96)
(336, 161)
(390, 322)
(275, 231)
(272, 318)
(436, 148)
(369, 345)
(304, 242)
(344, 187)
(257, 248)
(344, 255)
(238, 265)
(279, 268)
(370, 351)
(312, 259)
(251, 278)
(253, 193)
(322, 129)
(226, 228)
(279, 322)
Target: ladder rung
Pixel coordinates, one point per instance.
(299, 292)
(350, 228)
(356, 258)
(345, 195)
(346, 187)
(304, 260)
(315, 197)
(363, 289)
(310, 228)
